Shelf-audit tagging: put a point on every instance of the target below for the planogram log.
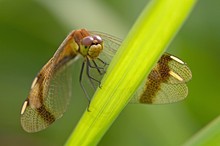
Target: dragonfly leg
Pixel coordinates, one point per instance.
(91, 79)
(95, 66)
(81, 84)
(99, 68)
(102, 62)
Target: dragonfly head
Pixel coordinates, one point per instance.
(91, 46)
(88, 45)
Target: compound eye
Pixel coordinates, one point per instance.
(87, 41)
(98, 39)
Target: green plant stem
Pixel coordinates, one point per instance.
(208, 136)
(147, 40)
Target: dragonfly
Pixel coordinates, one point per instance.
(51, 89)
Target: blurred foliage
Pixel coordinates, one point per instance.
(31, 31)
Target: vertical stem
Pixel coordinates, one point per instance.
(147, 40)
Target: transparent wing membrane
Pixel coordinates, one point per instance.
(56, 94)
(166, 83)
(59, 91)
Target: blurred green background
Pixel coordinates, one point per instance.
(31, 31)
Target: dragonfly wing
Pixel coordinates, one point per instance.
(50, 91)
(166, 83)
(56, 94)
